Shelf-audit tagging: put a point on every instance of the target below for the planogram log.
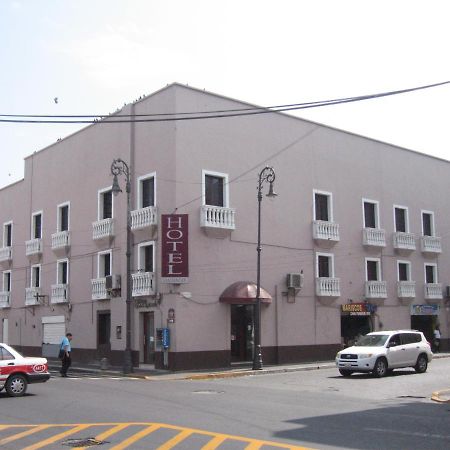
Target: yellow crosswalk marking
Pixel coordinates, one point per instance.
(215, 442)
(137, 436)
(175, 440)
(26, 433)
(106, 434)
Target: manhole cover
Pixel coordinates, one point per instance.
(84, 442)
(209, 392)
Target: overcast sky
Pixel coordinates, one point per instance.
(96, 55)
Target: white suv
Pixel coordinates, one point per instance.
(382, 351)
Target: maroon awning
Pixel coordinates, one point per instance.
(243, 293)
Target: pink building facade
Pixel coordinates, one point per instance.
(357, 239)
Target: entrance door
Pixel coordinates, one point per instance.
(352, 327)
(148, 328)
(241, 333)
(4, 335)
(425, 324)
(104, 334)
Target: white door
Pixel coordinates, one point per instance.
(54, 332)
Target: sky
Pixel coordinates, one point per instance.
(96, 55)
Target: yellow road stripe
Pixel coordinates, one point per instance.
(215, 442)
(131, 440)
(28, 432)
(57, 437)
(106, 434)
(175, 440)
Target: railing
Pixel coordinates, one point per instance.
(217, 217)
(5, 254)
(31, 296)
(143, 283)
(144, 217)
(328, 287)
(430, 244)
(404, 241)
(61, 239)
(33, 247)
(60, 293)
(433, 291)
(99, 291)
(103, 229)
(323, 230)
(376, 289)
(375, 237)
(406, 289)
(4, 299)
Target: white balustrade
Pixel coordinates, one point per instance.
(327, 231)
(5, 299)
(374, 237)
(5, 254)
(99, 291)
(217, 217)
(33, 247)
(143, 283)
(433, 291)
(144, 218)
(328, 287)
(103, 229)
(376, 289)
(61, 239)
(404, 241)
(60, 293)
(32, 296)
(406, 289)
(430, 244)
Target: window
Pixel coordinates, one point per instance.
(104, 264)
(324, 265)
(105, 204)
(146, 257)
(323, 206)
(403, 271)
(35, 276)
(146, 191)
(36, 226)
(7, 281)
(7, 234)
(215, 189)
(431, 273)
(427, 223)
(373, 272)
(63, 217)
(401, 219)
(5, 355)
(370, 211)
(62, 272)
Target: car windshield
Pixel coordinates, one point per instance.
(372, 340)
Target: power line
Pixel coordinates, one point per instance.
(215, 114)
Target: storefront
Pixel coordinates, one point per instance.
(356, 320)
(424, 318)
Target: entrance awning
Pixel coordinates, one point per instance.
(244, 293)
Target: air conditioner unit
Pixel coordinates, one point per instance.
(294, 280)
(112, 282)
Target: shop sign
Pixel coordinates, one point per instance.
(425, 310)
(174, 248)
(358, 309)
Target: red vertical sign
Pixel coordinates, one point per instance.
(174, 248)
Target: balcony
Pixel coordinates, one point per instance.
(5, 299)
(103, 229)
(374, 237)
(60, 293)
(430, 244)
(406, 291)
(433, 292)
(33, 247)
(217, 221)
(144, 218)
(99, 291)
(143, 284)
(32, 296)
(328, 287)
(61, 241)
(404, 241)
(375, 290)
(324, 231)
(5, 254)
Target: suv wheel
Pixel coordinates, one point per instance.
(380, 368)
(345, 373)
(16, 385)
(422, 364)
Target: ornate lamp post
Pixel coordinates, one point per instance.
(120, 167)
(266, 175)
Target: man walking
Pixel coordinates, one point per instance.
(65, 349)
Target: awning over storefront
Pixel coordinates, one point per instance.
(244, 293)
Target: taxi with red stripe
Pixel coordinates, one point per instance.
(17, 371)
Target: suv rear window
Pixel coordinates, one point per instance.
(411, 338)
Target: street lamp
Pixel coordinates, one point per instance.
(266, 175)
(120, 167)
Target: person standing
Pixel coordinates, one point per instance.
(66, 350)
(437, 339)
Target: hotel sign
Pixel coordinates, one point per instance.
(174, 248)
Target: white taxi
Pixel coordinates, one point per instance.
(17, 371)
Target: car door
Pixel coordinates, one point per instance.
(395, 352)
(410, 342)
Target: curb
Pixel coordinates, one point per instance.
(437, 396)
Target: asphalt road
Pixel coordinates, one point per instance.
(315, 409)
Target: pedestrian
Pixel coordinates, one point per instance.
(437, 339)
(65, 351)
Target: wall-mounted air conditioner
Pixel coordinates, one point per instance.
(294, 280)
(112, 282)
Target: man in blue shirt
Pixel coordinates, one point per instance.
(66, 349)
